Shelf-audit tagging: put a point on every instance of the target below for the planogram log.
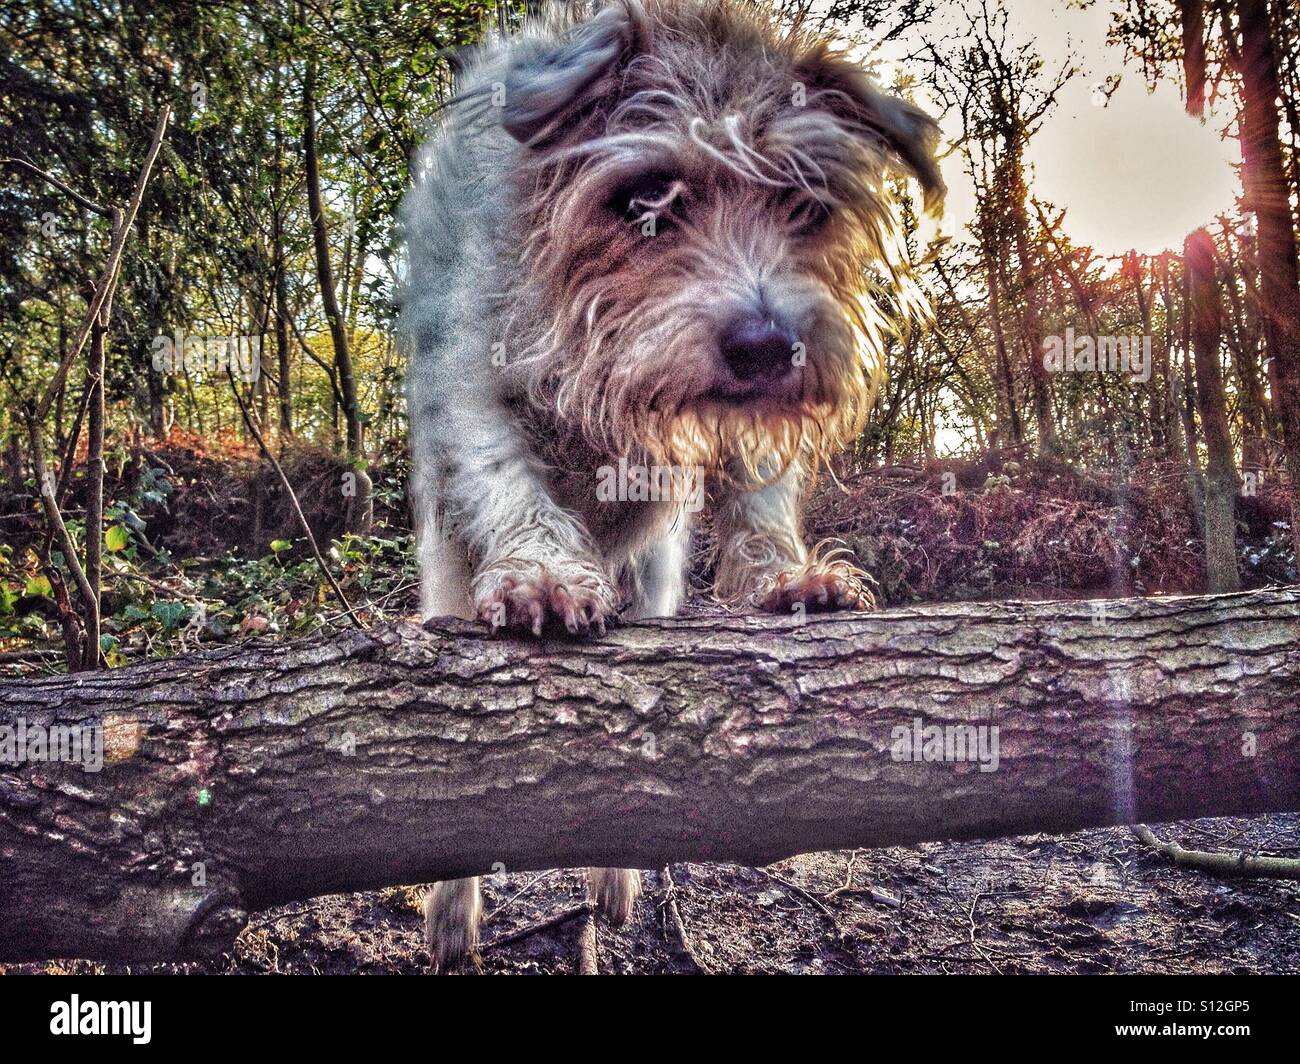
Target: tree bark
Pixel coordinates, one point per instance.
(250, 776)
(1007, 374)
(1173, 391)
(1191, 15)
(1251, 397)
(284, 365)
(94, 490)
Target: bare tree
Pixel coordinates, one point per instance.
(1268, 196)
(996, 88)
(1206, 312)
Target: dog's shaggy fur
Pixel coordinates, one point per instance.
(653, 235)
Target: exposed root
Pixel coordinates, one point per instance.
(673, 922)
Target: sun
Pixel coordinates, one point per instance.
(1138, 173)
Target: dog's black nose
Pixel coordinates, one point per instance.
(758, 347)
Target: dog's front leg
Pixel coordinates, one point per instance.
(762, 558)
(533, 561)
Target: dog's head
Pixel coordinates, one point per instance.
(705, 214)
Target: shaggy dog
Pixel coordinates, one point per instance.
(649, 247)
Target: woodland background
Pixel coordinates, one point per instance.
(145, 513)
(270, 214)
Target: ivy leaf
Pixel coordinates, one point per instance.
(112, 653)
(171, 615)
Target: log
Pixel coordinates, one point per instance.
(248, 776)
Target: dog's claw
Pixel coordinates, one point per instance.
(833, 585)
(528, 600)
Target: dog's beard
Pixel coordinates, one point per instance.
(648, 388)
(762, 442)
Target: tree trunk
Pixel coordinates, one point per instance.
(1005, 371)
(1206, 312)
(1267, 194)
(249, 776)
(1173, 391)
(1192, 17)
(1251, 399)
(284, 361)
(359, 506)
(1031, 316)
(90, 613)
(1157, 400)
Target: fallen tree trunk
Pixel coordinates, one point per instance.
(249, 776)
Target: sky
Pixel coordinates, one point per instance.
(1138, 173)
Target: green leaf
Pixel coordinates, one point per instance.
(38, 585)
(112, 653)
(278, 545)
(117, 538)
(171, 615)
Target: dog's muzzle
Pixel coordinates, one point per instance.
(757, 352)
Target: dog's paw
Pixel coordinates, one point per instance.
(819, 584)
(528, 598)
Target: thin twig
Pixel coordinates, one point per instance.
(293, 498)
(67, 190)
(970, 919)
(548, 924)
(795, 888)
(109, 277)
(58, 530)
(517, 894)
(847, 885)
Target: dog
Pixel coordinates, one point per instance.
(648, 236)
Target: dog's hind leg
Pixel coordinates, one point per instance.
(615, 891)
(452, 908)
(658, 587)
(452, 911)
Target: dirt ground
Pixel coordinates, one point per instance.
(1092, 902)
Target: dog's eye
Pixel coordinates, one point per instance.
(656, 193)
(808, 216)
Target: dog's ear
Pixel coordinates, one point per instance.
(548, 80)
(906, 133)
